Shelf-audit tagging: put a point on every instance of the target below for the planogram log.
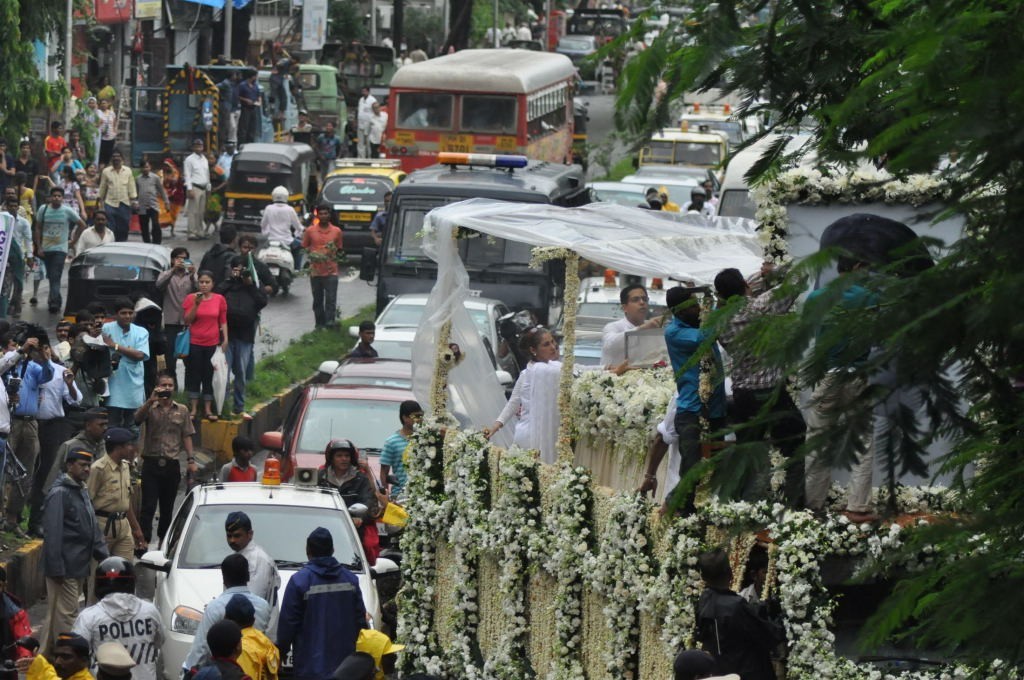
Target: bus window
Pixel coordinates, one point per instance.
(659, 152)
(488, 114)
(690, 153)
(425, 110)
(546, 112)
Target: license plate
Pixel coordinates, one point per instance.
(405, 138)
(457, 143)
(274, 270)
(506, 143)
(355, 217)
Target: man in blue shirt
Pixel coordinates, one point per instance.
(249, 100)
(683, 337)
(392, 456)
(54, 222)
(129, 346)
(24, 439)
(380, 221)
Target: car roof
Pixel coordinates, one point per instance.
(538, 181)
(667, 181)
(420, 300)
(693, 137)
(278, 152)
(616, 186)
(358, 393)
(486, 70)
(252, 493)
(150, 254)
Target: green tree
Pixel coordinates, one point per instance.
(909, 82)
(424, 29)
(347, 22)
(25, 91)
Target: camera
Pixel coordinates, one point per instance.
(23, 330)
(13, 387)
(164, 392)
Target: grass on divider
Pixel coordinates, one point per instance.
(299, 359)
(619, 170)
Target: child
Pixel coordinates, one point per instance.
(391, 457)
(239, 470)
(259, 658)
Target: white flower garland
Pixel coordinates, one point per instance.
(621, 411)
(513, 522)
(621, 570)
(816, 185)
(673, 595)
(569, 534)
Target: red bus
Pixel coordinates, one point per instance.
(502, 101)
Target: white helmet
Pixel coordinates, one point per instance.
(279, 195)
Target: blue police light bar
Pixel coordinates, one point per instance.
(489, 160)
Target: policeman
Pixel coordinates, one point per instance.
(110, 486)
(121, 617)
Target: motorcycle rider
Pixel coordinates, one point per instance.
(280, 223)
(120, 616)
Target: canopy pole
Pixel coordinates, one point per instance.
(570, 302)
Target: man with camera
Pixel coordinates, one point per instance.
(10, 395)
(169, 433)
(23, 386)
(245, 300)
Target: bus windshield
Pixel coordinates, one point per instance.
(425, 111)
(488, 114)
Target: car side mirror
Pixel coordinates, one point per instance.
(505, 378)
(272, 440)
(327, 367)
(358, 510)
(155, 560)
(368, 264)
(636, 161)
(353, 331)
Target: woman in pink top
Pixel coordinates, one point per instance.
(206, 314)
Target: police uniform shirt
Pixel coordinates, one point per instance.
(132, 621)
(110, 485)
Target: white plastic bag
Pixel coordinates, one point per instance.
(220, 378)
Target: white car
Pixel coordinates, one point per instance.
(188, 562)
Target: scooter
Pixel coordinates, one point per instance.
(278, 258)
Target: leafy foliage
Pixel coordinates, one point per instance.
(919, 85)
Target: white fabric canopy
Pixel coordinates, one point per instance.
(630, 240)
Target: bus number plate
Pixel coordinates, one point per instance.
(405, 138)
(457, 143)
(355, 216)
(506, 143)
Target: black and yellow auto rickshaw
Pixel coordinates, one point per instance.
(115, 270)
(580, 119)
(257, 169)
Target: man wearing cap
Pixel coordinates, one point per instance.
(259, 658)
(110, 487)
(322, 611)
(70, 660)
(89, 439)
(73, 537)
(303, 130)
(263, 577)
(378, 645)
(235, 572)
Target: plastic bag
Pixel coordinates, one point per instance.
(220, 378)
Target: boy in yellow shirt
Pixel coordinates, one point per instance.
(259, 658)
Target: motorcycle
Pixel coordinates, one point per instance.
(278, 258)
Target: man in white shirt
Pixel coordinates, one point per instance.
(635, 303)
(378, 123)
(366, 102)
(263, 577)
(524, 32)
(95, 235)
(197, 183)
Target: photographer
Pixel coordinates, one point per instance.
(28, 377)
(245, 300)
(130, 345)
(90, 359)
(10, 394)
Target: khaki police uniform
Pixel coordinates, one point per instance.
(110, 487)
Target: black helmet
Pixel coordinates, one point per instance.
(114, 575)
(341, 445)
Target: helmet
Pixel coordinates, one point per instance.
(279, 195)
(114, 575)
(341, 445)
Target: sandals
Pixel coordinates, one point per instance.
(212, 418)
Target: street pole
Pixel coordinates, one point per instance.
(547, 25)
(497, 41)
(69, 50)
(373, 22)
(228, 7)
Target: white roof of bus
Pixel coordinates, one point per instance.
(501, 70)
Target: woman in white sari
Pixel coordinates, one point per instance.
(534, 399)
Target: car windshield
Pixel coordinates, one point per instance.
(575, 44)
(394, 349)
(605, 310)
(373, 381)
(281, 530)
(356, 190)
(630, 199)
(367, 422)
(731, 128)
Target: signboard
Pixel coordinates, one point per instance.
(314, 24)
(114, 11)
(148, 9)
